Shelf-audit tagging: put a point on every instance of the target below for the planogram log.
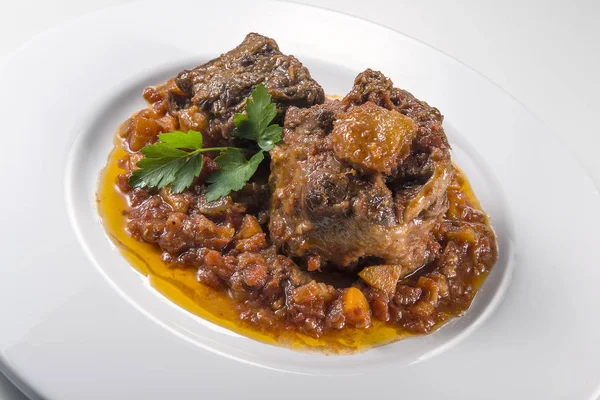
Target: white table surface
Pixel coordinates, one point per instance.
(546, 53)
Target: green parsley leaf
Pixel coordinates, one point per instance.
(254, 125)
(161, 150)
(186, 174)
(270, 136)
(181, 140)
(156, 172)
(234, 173)
(175, 160)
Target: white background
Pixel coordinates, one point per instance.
(545, 53)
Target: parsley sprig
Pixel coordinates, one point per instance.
(176, 159)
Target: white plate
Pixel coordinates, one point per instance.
(67, 334)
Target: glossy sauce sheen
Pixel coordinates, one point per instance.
(179, 284)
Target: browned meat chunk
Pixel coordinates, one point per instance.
(220, 87)
(364, 177)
